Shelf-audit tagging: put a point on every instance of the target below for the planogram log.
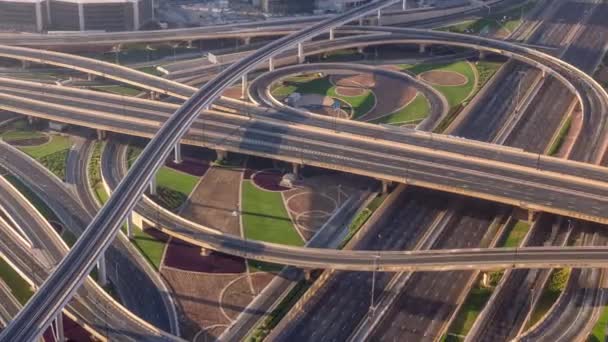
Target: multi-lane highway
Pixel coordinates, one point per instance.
(300, 137)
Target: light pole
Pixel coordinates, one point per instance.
(372, 307)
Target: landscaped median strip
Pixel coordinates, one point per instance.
(481, 293)
(296, 294)
(52, 154)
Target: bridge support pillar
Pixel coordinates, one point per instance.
(300, 53)
(485, 279)
(332, 34)
(153, 187)
(404, 5)
(189, 45)
(532, 214)
(129, 224)
(30, 120)
(154, 95)
(25, 64)
(177, 153)
(221, 155)
(59, 331)
(379, 15)
(205, 251)
(101, 270)
(90, 77)
(385, 185)
(246, 41)
(482, 55)
(295, 169)
(422, 48)
(361, 21)
(543, 73)
(271, 64)
(308, 275)
(361, 50)
(101, 134)
(244, 85)
(81, 24)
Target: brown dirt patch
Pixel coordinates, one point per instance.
(350, 91)
(214, 200)
(29, 142)
(444, 78)
(317, 193)
(269, 180)
(238, 294)
(300, 202)
(364, 80)
(197, 296)
(187, 257)
(190, 166)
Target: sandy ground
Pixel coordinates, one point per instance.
(215, 199)
(317, 196)
(444, 78)
(391, 93)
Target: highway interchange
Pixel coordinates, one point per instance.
(548, 178)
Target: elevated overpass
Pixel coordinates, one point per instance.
(74, 268)
(488, 181)
(273, 27)
(106, 224)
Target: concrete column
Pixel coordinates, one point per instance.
(101, 270)
(90, 77)
(221, 155)
(361, 21)
(482, 54)
(129, 223)
(205, 251)
(153, 188)
(295, 169)
(81, 16)
(271, 64)
(246, 41)
(532, 215)
(360, 50)
(39, 27)
(332, 34)
(30, 119)
(308, 275)
(244, 85)
(485, 279)
(136, 23)
(300, 53)
(25, 64)
(177, 153)
(379, 17)
(189, 45)
(543, 73)
(422, 48)
(48, 12)
(404, 5)
(154, 95)
(59, 331)
(385, 185)
(101, 134)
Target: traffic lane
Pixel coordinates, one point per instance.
(135, 288)
(549, 164)
(332, 315)
(424, 305)
(340, 142)
(405, 167)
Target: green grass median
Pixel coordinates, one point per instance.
(313, 84)
(265, 217)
